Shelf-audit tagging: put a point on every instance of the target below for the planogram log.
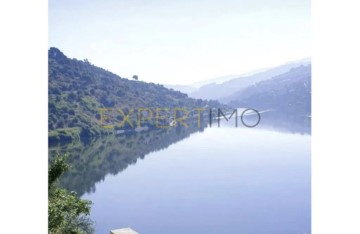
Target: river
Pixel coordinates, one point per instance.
(210, 180)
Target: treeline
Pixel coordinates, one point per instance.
(78, 89)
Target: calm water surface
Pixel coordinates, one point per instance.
(220, 180)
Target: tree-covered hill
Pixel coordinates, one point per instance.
(78, 90)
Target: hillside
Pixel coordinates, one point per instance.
(288, 93)
(78, 89)
(218, 91)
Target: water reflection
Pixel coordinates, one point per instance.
(219, 181)
(274, 120)
(224, 180)
(92, 160)
(286, 122)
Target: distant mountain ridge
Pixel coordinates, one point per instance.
(288, 93)
(219, 91)
(181, 88)
(221, 87)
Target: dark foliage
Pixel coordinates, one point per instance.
(78, 89)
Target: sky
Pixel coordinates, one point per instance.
(181, 42)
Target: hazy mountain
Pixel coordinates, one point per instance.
(218, 90)
(217, 80)
(188, 89)
(182, 88)
(288, 93)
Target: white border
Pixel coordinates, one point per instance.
(335, 157)
(23, 95)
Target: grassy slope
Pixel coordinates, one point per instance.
(77, 89)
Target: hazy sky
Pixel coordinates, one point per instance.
(184, 41)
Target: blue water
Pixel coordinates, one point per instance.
(221, 180)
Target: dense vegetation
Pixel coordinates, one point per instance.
(78, 89)
(67, 212)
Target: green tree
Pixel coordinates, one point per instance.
(67, 212)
